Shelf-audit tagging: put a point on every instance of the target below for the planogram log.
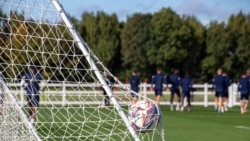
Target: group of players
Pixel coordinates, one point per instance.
(32, 82)
(183, 88)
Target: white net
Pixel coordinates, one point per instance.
(37, 34)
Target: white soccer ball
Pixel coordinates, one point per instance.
(144, 116)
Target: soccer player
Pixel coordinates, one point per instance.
(186, 87)
(110, 81)
(134, 81)
(157, 82)
(174, 80)
(228, 82)
(2, 79)
(244, 88)
(219, 87)
(30, 82)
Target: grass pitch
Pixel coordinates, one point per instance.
(204, 124)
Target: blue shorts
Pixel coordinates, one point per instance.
(185, 94)
(133, 95)
(175, 91)
(219, 94)
(244, 96)
(158, 92)
(225, 94)
(33, 100)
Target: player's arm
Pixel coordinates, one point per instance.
(166, 83)
(180, 87)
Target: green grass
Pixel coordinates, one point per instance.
(204, 124)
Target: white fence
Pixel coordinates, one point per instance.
(203, 94)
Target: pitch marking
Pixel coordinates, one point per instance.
(243, 127)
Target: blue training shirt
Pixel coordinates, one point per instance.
(219, 83)
(228, 82)
(174, 80)
(244, 85)
(32, 81)
(186, 84)
(158, 80)
(134, 81)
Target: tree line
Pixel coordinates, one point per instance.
(168, 40)
(163, 39)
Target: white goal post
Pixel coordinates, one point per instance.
(38, 43)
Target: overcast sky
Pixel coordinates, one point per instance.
(204, 10)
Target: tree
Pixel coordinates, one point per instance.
(136, 40)
(170, 39)
(239, 31)
(195, 47)
(217, 49)
(101, 32)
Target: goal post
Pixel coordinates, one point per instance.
(105, 86)
(38, 33)
(12, 115)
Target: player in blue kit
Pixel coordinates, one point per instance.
(134, 81)
(30, 83)
(157, 82)
(228, 82)
(219, 87)
(244, 89)
(110, 80)
(174, 80)
(186, 87)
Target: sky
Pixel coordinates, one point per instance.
(204, 10)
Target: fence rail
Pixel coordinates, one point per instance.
(64, 90)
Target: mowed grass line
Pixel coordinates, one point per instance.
(204, 124)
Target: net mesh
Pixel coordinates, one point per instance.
(33, 33)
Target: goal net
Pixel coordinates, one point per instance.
(53, 85)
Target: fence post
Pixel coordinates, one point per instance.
(63, 93)
(230, 95)
(145, 89)
(234, 95)
(205, 95)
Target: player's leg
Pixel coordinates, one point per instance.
(33, 107)
(189, 101)
(171, 100)
(158, 94)
(178, 100)
(182, 100)
(220, 102)
(242, 103)
(246, 102)
(216, 101)
(106, 98)
(225, 103)
(134, 98)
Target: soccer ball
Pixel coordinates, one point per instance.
(144, 116)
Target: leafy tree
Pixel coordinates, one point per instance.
(238, 28)
(136, 40)
(217, 45)
(195, 47)
(170, 39)
(101, 32)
